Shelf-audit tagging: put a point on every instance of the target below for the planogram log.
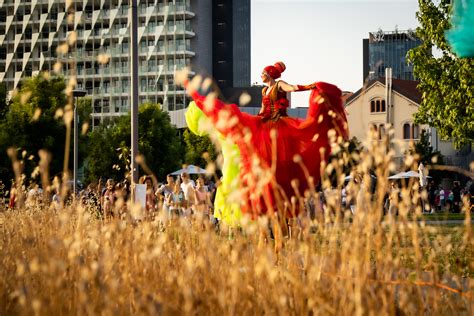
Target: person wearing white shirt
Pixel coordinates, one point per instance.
(188, 189)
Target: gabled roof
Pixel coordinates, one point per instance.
(407, 88)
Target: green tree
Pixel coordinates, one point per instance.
(158, 142)
(424, 152)
(446, 82)
(3, 100)
(196, 146)
(30, 124)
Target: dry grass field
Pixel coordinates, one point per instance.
(70, 263)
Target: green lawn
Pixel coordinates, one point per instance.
(444, 216)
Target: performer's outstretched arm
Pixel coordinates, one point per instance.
(292, 88)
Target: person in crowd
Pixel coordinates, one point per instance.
(456, 197)
(175, 200)
(393, 199)
(90, 199)
(431, 196)
(121, 196)
(202, 199)
(442, 198)
(56, 199)
(34, 195)
(187, 186)
(151, 200)
(165, 190)
(108, 199)
(13, 196)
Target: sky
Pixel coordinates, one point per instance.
(321, 40)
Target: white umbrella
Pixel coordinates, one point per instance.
(190, 169)
(406, 175)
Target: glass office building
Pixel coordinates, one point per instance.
(388, 49)
(172, 34)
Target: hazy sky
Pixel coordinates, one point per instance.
(321, 40)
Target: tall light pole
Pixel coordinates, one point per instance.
(76, 94)
(134, 92)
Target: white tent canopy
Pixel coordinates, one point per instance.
(406, 175)
(190, 169)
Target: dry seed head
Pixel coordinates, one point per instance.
(72, 82)
(295, 183)
(224, 120)
(85, 127)
(180, 76)
(209, 102)
(392, 166)
(57, 67)
(207, 83)
(68, 116)
(103, 59)
(72, 38)
(211, 168)
(244, 99)
(37, 114)
(70, 18)
(297, 158)
(25, 96)
(62, 49)
(59, 113)
(273, 134)
(409, 159)
(140, 159)
(195, 83)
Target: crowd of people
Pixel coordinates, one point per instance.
(177, 196)
(182, 196)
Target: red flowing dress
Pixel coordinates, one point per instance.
(269, 166)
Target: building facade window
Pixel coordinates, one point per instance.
(411, 131)
(377, 106)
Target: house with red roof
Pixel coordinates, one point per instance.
(368, 109)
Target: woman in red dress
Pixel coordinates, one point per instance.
(277, 149)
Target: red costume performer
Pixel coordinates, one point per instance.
(269, 166)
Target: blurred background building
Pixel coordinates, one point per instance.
(210, 36)
(388, 49)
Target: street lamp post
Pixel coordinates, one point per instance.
(76, 94)
(134, 90)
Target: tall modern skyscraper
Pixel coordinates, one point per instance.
(388, 49)
(172, 34)
(231, 46)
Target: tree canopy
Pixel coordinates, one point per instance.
(158, 142)
(196, 146)
(29, 124)
(446, 81)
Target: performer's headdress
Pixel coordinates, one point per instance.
(275, 70)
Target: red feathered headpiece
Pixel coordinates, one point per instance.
(275, 70)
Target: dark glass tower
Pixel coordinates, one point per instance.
(388, 49)
(231, 43)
